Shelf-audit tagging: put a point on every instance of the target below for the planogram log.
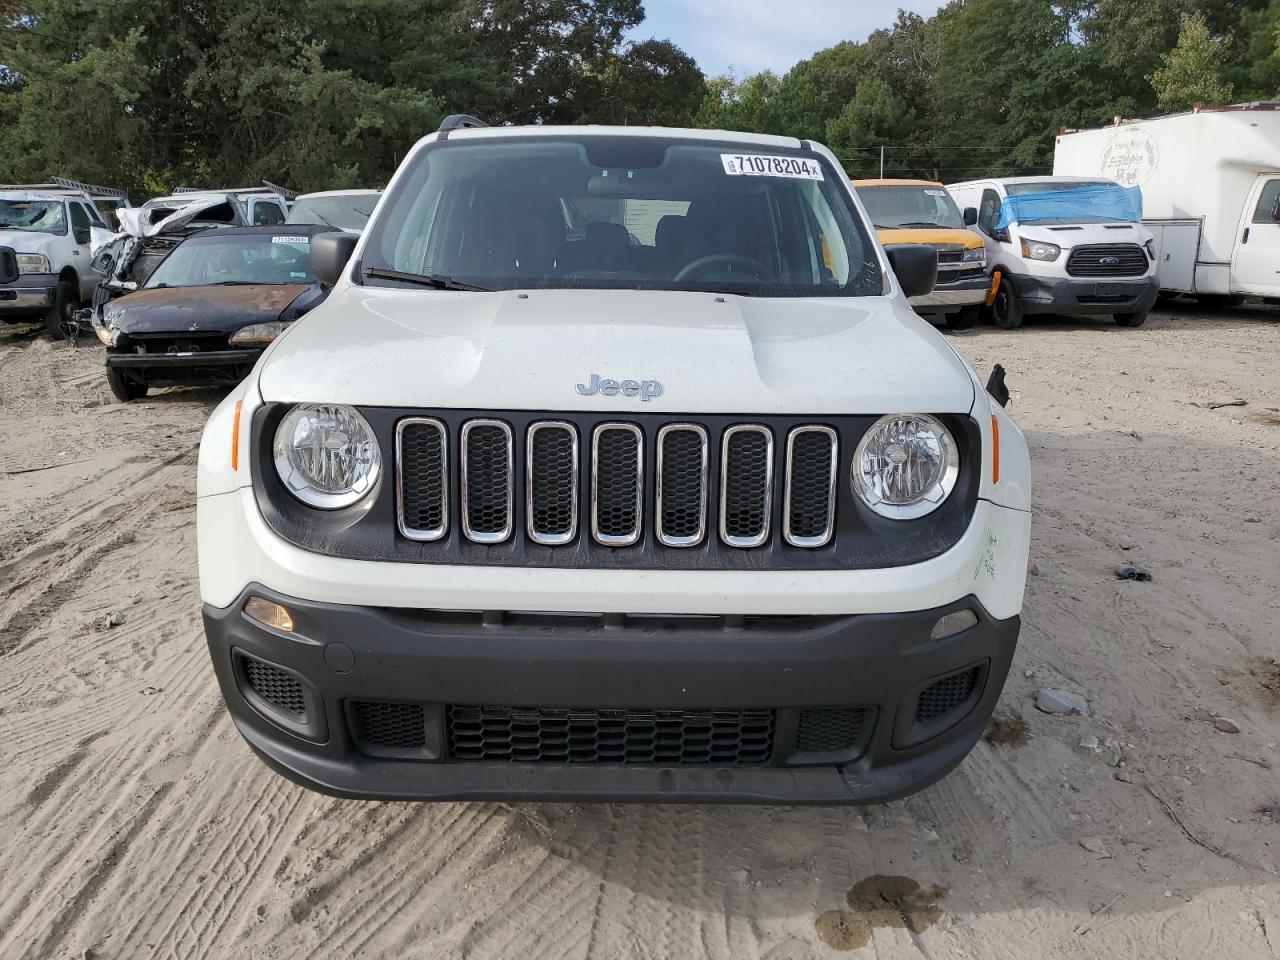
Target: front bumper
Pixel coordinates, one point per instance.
(343, 654)
(961, 293)
(216, 368)
(30, 293)
(1073, 296)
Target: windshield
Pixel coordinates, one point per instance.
(624, 213)
(1062, 202)
(909, 205)
(348, 212)
(244, 258)
(37, 216)
(1050, 186)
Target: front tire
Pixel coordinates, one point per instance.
(1005, 311)
(124, 388)
(966, 318)
(1130, 319)
(60, 318)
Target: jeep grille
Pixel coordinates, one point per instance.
(618, 495)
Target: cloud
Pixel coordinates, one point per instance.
(745, 37)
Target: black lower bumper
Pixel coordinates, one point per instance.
(211, 368)
(1078, 296)
(339, 658)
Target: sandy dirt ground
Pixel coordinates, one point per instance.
(134, 823)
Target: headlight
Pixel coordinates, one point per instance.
(977, 253)
(109, 336)
(1039, 250)
(326, 455)
(258, 333)
(905, 466)
(33, 263)
(1150, 247)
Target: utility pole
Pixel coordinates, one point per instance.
(882, 161)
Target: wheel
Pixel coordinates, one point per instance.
(60, 318)
(124, 388)
(1130, 319)
(966, 318)
(1005, 312)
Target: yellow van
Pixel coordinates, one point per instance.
(921, 211)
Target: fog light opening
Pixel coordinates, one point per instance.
(953, 623)
(270, 614)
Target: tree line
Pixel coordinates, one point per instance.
(156, 94)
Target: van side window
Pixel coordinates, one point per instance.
(266, 213)
(1268, 203)
(989, 212)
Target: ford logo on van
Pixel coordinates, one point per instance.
(1109, 261)
(646, 390)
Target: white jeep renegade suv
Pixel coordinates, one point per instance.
(615, 466)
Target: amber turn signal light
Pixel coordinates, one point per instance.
(270, 614)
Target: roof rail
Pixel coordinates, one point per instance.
(64, 183)
(457, 121)
(90, 188)
(266, 187)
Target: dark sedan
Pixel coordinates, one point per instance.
(207, 312)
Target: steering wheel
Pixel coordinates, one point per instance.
(702, 265)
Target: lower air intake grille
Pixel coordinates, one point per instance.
(837, 730)
(389, 726)
(281, 690)
(945, 695)
(654, 737)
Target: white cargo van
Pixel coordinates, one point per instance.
(1063, 245)
(1210, 184)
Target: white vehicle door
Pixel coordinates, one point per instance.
(1256, 266)
(266, 211)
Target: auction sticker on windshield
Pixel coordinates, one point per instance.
(761, 165)
(305, 241)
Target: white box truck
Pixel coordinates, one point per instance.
(1210, 184)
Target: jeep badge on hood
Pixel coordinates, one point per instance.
(646, 390)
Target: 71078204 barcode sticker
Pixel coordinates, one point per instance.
(762, 165)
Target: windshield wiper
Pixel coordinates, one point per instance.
(919, 223)
(435, 281)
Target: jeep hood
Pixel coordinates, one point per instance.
(381, 346)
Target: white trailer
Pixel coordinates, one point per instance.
(1210, 184)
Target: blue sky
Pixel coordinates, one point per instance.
(751, 35)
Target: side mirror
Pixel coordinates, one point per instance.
(970, 216)
(916, 267)
(329, 255)
(8, 265)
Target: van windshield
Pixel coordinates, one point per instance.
(641, 213)
(35, 216)
(910, 205)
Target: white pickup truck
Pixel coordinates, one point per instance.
(50, 229)
(616, 465)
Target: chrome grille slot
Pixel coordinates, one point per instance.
(746, 485)
(681, 509)
(809, 506)
(487, 481)
(422, 483)
(617, 486)
(552, 480)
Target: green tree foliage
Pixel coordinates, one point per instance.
(153, 94)
(1193, 70)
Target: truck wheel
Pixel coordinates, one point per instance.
(966, 318)
(1130, 319)
(1005, 312)
(60, 318)
(124, 388)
